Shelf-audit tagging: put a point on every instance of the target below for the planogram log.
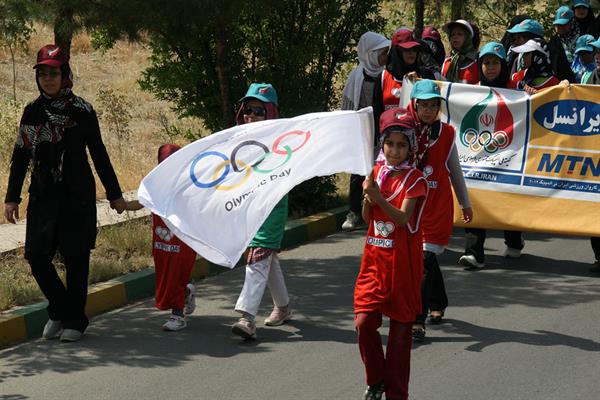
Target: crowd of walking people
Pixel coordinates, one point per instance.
(406, 202)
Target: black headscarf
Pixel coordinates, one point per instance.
(395, 63)
(540, 65)
(588, 24)
(506, 39)
(501, 80)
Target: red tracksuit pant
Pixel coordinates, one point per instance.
(394, 367)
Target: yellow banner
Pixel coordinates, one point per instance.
(531, 163)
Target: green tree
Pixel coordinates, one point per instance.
(16, 28)
(206, 53)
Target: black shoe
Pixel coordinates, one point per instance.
(436, 319)
(375, 392)
(596, 267)
(418, 334)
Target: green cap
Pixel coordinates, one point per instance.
(425, 89)
(264, 92)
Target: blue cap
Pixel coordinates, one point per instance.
(493, 48)
(563, 16)
(584, 43)
(425, 89)
(264, 92)
(529, 26)
(581, 3)
(596, 44)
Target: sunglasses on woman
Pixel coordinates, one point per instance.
(258, 111)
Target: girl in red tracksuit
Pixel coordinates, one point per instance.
(537, 73)
(438, 159)
(392, 265)
(173, 262)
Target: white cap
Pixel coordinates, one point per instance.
(465, 24)
(530, 45)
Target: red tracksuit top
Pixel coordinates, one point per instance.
(391, 270)
(438, 217)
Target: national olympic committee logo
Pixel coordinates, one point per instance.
(259, 158)
(482, 129)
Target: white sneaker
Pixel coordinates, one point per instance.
(190, 300)
(174, 323)
(351, 222)
(512, 253)
(52, 329)
(469, 261)
(245, 328)
(71, 335)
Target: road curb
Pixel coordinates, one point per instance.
(28, 322)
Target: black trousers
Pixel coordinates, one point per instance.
(355, 193)
(433, 290)
(475, 239)
(65, 304)
(596, 246)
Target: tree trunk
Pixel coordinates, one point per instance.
(12, 57)
(457, 9)
(419, 15)
(64, 26)
(227, 105)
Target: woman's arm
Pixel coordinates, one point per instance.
(458, 184)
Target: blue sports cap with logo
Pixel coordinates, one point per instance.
(596, 44)
(425, 89)
(264, 92)
(563, 16)
(581, 3)
(584, 43)
(493, 48)
(528, 26)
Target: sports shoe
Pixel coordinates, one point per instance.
(418, 333)
(190, 300)
(279, 316)
(375, 392)
(470, 262)
(351, 222)
(245, 328)
(512, 253)
(52, 329)
(174, 323)
(71, 335)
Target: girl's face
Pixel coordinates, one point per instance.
(382, 56)
(586, 56)
(254, 110)
(49, 79)
(563, 29)
(518, 39)
(457, 38)
(409, 56)
(527, 59)
(597, 58)
(428, 110)
(396, 148)
(491, 66)
(581, 12)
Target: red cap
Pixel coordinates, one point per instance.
(429, 32)
(396, 117)
(52, 56)
(166, 150)
(405, 38)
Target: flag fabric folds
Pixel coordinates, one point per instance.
(215, 193)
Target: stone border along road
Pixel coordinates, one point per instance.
(22, 323)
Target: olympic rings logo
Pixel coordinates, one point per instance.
(279, 153)
(490, 142)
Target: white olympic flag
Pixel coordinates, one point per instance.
(216, 192)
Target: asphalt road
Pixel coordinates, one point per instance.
(519, 329)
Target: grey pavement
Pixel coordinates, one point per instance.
(518, 329)
(12, 236)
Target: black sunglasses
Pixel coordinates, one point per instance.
(258, 111)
